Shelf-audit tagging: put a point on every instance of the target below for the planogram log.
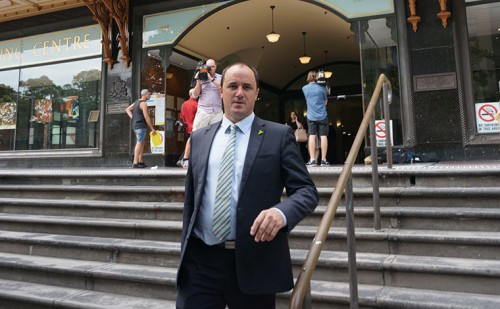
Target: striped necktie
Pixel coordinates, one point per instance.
(221, 221)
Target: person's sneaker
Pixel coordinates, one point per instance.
(324, 163)
(135, 166)
(311, 162)
(142, 164)
(185, 163)
(179, 163)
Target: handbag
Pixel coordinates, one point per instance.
(301, 135)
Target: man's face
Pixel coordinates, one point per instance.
(239, 92)
(212, 65)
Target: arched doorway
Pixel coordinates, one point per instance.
(236, 31)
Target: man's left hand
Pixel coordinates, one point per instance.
(266, 225)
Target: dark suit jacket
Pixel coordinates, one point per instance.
(273, 162)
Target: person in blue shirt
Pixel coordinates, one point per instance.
(317, 118)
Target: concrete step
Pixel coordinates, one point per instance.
(95, 176)
(123, 279)
(327, 295)
(444, 218)
(461, 244)
(419, 196)
(424, 218)
(162, 230)
(137, 193)
(402, 270)
(394, 196)
(112, 250)
(93, 208)
(420, 175)
(395, 270)
(391, 270)
(389, 241)
(25, 295)
(410, 271)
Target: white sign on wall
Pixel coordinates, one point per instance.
(381, 133)
(485, 117)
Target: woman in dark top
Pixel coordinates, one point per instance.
(294, 121)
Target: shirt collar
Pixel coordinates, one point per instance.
(243, 125)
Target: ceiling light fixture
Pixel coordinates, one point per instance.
(328, 74)
(272, 37)
(304, 59)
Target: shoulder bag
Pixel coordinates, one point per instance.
(301, 135)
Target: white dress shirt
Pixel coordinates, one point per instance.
(203, 229)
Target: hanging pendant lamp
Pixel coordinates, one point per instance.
(272, 37)
(304, 59)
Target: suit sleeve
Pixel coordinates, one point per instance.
(188, 201)
(302, 195)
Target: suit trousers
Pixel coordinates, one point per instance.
(208, 280)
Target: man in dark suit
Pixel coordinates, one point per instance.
(249, 265)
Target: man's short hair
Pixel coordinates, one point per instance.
(254, 70)
(144, 91)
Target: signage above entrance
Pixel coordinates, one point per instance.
(54, 46)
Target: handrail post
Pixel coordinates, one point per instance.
(302, 285)
(387, 98)
(375, 181)
(351, 243)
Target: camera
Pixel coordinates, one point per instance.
(321, 80)
(203, 72)
(202, 69)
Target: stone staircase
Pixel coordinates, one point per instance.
(109, 238)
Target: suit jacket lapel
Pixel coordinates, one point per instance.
(256, 136)
(201, 169)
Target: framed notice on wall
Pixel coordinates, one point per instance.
(93, 116)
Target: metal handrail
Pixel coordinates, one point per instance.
(301, 294)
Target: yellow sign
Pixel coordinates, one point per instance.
(157, 142)
(156, 139)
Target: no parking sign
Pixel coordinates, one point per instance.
(485, 117)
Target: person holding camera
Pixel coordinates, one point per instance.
(317, 118)
(188, 112)
(207, 90)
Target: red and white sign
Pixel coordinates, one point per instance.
(381, 133)
(485, 117)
